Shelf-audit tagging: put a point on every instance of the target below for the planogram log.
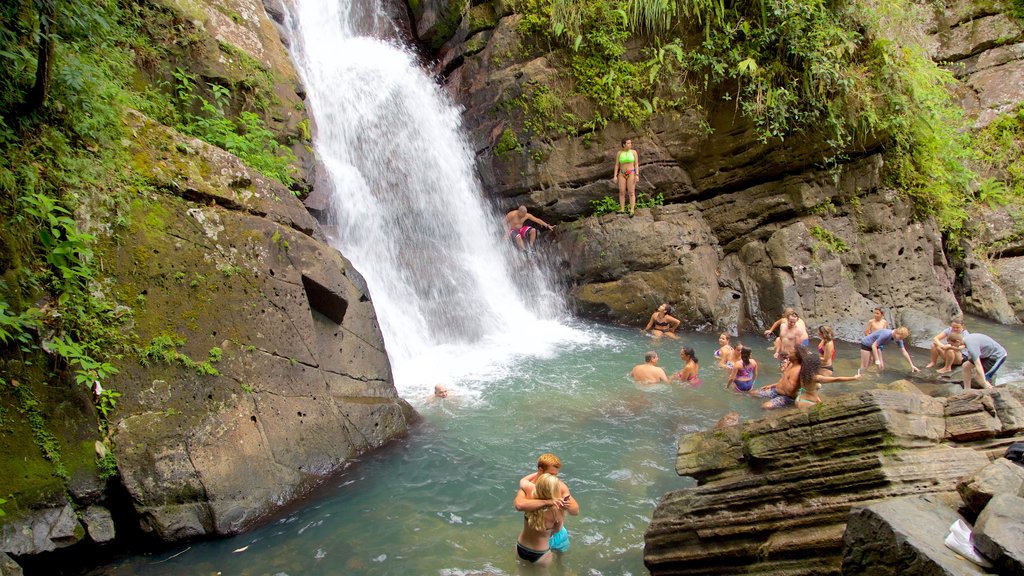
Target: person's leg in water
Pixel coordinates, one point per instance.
(533, 237)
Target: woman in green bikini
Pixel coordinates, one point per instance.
(626, 172)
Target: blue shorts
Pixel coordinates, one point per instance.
(777, 400)
(745, 385)
(559, 541)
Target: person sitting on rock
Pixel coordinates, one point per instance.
(649, 372)
(871, 347)
(953, 352)
(982, 358)
(662, 322)
(942, 349)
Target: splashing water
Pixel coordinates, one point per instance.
(453, 301)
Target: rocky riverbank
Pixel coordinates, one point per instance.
(802, 493)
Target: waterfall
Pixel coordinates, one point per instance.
(453, 299)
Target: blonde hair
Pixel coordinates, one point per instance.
(955, 338)
(545, 488)
(903, 332)
(548, 460)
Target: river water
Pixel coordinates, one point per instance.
(440, 501)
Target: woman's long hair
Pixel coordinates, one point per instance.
(744, 356)
(809, 366)
(545, 488)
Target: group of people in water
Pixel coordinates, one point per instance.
(803, 370)
(545, 499)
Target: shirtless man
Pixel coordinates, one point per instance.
(791, 333)
(649, 372)
(515, 222)
(440, 393)
(524, 502)
(876, 323)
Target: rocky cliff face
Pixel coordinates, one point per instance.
(774, 495)
(226, 259)
(258, 367)
(743, 236)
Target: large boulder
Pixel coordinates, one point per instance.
(773, 494)
(999, 533)
(903, 537)
(261, 368)
(999, 477)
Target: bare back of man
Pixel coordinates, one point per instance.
(645, 374)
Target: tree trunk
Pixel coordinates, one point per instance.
(44, 61)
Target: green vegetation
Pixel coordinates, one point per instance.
(608, 205)
(829, 241)
(246, 136)
(163, 349)
(845, 69)
(107, 466)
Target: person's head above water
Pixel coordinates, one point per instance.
(651, 356)
(549, 464)
(440, 391)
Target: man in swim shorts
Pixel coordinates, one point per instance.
(524, 502)
(515, 222)
(982, 358)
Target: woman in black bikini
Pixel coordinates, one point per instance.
(662, 323)
(540, 524)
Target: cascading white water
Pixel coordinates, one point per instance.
(407, 209)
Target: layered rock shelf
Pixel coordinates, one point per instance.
(774, 495)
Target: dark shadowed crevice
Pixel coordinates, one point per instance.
(325, 301)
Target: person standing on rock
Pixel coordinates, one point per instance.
(649, 372)
(982, 358)
(871, 347)
(526, 498)
(516, 221)
(626, 172)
